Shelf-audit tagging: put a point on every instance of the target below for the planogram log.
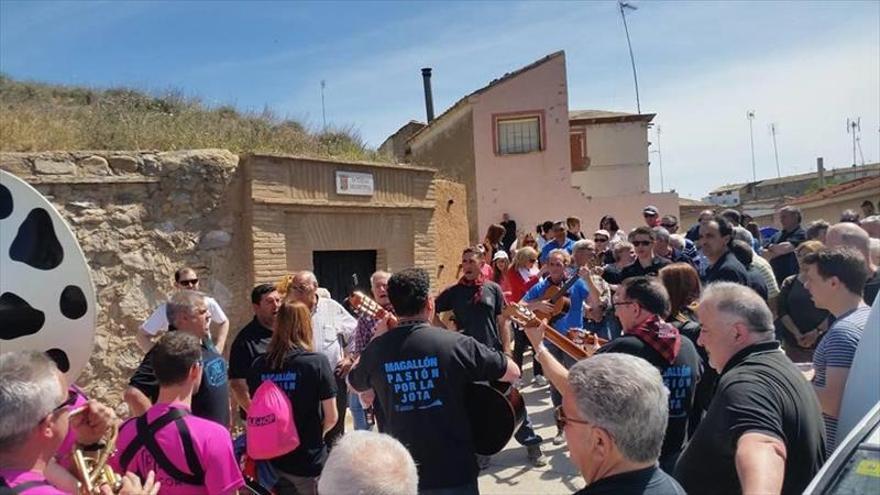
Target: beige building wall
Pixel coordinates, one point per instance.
(618, 159)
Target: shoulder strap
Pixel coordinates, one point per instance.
(146, 438)
(21, 487)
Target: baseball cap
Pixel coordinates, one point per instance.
(650, 210)
(500, 255)
(602, 232)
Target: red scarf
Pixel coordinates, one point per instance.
(661, 336)
(477, 283)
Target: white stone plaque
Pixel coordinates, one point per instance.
(354, 183)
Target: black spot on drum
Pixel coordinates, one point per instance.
(5, 202)
(60, 358)
(36, 243)
(73, 302)
(18, 318)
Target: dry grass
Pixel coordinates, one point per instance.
(38, 117)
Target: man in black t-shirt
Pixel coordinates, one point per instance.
(477, 305)
(780, 249)
(614, 414)
(647, 263)
(638, 304)
(763, 431)
(187, 312)
(252, 341)
(715, 238)
(419, 374)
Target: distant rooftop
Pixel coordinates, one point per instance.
(606, 116)
(869, 184)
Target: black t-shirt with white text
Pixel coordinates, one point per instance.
(478, 319)
(681, 378)
(759, 391)
(211, 400)
(419, 374)
(307, 379)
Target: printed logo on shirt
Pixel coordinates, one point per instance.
(215, 372)
(412, 383)
(286, 381)
(678, 380)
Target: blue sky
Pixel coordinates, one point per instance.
(806, 66)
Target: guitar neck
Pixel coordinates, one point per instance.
(573, 350)
(564, 289)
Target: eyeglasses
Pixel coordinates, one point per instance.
(70, 401)
(641, 243)
(622, 303)
(562, 419)
(189, 283)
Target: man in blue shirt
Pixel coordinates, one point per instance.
(559, 241)
(557, 261)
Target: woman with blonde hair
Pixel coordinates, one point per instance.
(521, 276)
(307, 379)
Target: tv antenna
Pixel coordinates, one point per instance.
(624, 6)
(323, 110)
(773, 131)
(750, 115)
(659, 159)
(854, 127)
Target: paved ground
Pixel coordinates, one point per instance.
(510, 472)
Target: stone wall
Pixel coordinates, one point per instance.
(139, 216)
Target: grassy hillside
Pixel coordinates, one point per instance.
(37, 117)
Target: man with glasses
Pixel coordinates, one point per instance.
(639, 304)
(647, 263)
(184, 279)
(35, 416)
(332, 328)
(188, 312)
(614, 414)
(604, 251)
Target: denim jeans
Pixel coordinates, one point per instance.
(358, 416)
(526, 435)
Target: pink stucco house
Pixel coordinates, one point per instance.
(519, 150)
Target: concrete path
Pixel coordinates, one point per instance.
(510, 473)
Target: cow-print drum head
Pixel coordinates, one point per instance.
(47, 300)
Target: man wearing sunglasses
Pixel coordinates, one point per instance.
(184, 279)
(35, 406)
(647, 263)
(614, 414)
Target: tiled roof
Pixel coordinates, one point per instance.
(867, 184)
(813, 175)
(485, 88)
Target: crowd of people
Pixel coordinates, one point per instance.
(689, 385)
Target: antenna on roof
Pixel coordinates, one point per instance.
(854, 127)
(624, 6)
(773, 130)
(659, 158)
(750, 115)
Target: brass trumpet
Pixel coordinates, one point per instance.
(92, 469)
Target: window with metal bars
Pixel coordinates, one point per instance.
(519, 135)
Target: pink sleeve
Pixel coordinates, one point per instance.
(222, 473)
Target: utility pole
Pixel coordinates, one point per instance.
(775, 149)
(323, 110)
(623, 7)
(750, 115)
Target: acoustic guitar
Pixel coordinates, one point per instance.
(558, 297)
(495, 410)
(526, 318)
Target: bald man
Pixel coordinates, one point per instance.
(851, 235)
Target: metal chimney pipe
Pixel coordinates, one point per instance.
(429, 97)
(820, 170)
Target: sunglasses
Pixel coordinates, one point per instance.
(189, 283)
(70, 401)
(668, 225)
(600, 239)
(641, 243)
(562, 419)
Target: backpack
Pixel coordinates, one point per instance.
(271, 431)
(146, 433)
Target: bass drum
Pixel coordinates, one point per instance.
(47, 300)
